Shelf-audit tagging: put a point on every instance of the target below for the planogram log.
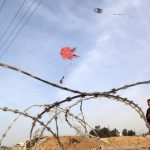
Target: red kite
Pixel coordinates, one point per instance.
(67, 53)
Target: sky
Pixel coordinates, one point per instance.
(114, 51)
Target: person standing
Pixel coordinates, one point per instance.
(148, 111)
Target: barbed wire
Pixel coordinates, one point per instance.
(13, 122)
(25, 114)
(81, 126)
(96, 94)
(118, 98)
(66, 114)
(135, 106)
(39, 79)
(128, 86)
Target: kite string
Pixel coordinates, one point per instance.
(67, 68)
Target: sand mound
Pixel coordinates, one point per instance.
(84, 143)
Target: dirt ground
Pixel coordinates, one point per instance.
(84, 143)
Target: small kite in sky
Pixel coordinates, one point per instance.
(117, 14)
(67, 53)
(99, 10)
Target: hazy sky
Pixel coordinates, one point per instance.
(114, 51)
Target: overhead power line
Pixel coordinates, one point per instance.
(2, 5)
(17, 24)
(12, 20)
(5, 50)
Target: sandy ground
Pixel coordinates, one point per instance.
(84, 143)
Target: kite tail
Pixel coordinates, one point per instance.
(75, 56)
(73, 50)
